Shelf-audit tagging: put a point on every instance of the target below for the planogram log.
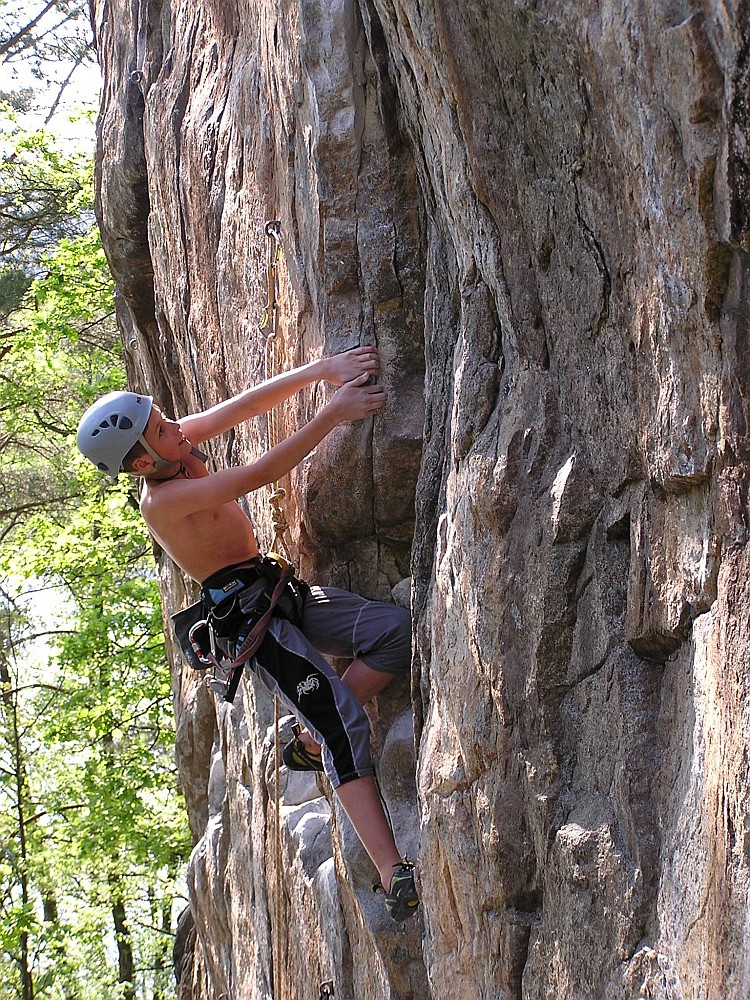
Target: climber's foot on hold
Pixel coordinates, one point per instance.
(298, 757)
(401, 898)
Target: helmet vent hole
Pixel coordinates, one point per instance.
(124, 423)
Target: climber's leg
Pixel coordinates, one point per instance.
(361, 803)
(309, 687)
(342, 624)
(375, 636)
(363, 682)
(294, 670)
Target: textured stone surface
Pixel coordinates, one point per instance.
(540, 213)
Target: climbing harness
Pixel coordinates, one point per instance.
(196, 631)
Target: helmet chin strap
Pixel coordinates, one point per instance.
(160, 464)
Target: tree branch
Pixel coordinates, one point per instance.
(62, 88)
(55, 812)
(35, 504)
(8, 44)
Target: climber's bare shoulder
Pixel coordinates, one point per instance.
(199, 531)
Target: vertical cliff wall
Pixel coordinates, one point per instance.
(539, 212)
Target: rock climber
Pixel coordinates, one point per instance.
(194, 517)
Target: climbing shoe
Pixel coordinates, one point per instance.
(401, 898)
(298, 758)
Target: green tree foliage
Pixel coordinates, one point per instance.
(92, 828)
(45, 194)
(57, 340)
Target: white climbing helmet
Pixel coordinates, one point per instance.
(111, 426)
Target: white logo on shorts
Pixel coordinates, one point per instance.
(307, 686)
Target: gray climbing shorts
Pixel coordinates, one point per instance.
(342, 624)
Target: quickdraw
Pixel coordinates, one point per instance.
(273, 254)
(269, 328)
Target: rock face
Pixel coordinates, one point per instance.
(541, 215)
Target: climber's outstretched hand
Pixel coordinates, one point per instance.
(356, 400)
(343, 368)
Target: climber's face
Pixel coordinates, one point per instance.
(165, 437)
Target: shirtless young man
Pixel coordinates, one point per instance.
(194, 516)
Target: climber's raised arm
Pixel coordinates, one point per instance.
(179, 497)
(337, 369)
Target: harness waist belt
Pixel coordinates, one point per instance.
(225, 583)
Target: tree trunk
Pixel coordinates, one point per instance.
(126, 965)
(19, 777)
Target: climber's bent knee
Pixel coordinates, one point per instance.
(339, 623)
(389, 628)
